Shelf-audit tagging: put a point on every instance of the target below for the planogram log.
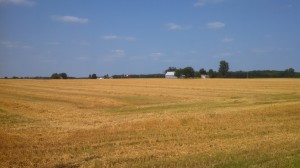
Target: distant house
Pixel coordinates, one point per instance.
(204, 76)
(170, 75)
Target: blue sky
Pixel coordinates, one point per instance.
(80, 37)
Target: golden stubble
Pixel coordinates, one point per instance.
(148, 122)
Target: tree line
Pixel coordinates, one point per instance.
(188, 72)
(59, 76)
(223, 72)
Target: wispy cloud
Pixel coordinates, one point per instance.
(156, 56)
(227, 40)
(18, 2)
(174, 26)
(118, 53)
(215, 25)
(115, 37)
(109, 37)
(225, 54)
(9, 44)
(114, 55)
(201, 3)
(70, 19)
(264, 50)
(26, 47)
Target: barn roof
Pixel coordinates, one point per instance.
(170, 73)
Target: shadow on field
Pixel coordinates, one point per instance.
(76, 164)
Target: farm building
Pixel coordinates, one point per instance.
(170, 75)
(204, 76)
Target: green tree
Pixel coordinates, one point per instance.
(211, 73)
(171, 69)
(223, 68)
(197, 74)
(63, 75)
(289, 72)
(106, 76)
(202, 71)
(179, 73)
(189, 72)
(55, 76)
(94, 76)
(59, 76)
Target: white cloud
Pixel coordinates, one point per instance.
(174, 26)
(18, 2)
(263, 50)
(227, 40)
(27, 47)
(109, 37)
(156, 56)
(226, 54)
(215, 25)
(70, 19)
(201, 3)
(114, 55)
(8, 44)
(115, 37)
(118, 52)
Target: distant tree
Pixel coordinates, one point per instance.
(223, 68)
(5, 77)
(197, 74)
(55, 76)
(291, 70)
(106, 76)
(171, 69)
(179, 73)
(289, 73)
(94, 76)
(189, 72)
(59, 76)
(63, 75)
(211, 73)
(202, 71)
(90, 76)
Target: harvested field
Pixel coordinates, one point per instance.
(150, 123)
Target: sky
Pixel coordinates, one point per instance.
(81, 37)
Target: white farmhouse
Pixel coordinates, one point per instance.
(170, 75)
(204, 76)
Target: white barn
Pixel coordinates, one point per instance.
(170, 75)
(204, 76)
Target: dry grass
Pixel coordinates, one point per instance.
(150, 123)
